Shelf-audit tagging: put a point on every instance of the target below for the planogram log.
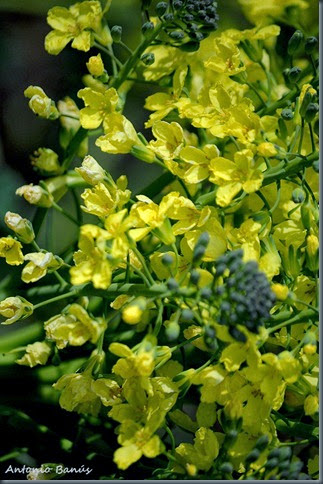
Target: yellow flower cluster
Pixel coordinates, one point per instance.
(210, 274)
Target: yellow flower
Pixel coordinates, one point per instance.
(91, 263)
(74, 326)
(231, 177)
(311, 404)
(264, 12)
(45, 160)
(218, 241)
(141, 418)
(95, 65)
(226, 58)
(11, 250)
(155, 216)
(91, 171)
(162, 102)
(120, 135)
(40, 103)
(77, 24)
(99, 105)
(36, 354)
(40, 263)
(15, 308)
(108, 391)
(77, 393)
(35, 195)
(169, 140)
(202, 454)
(103, 200)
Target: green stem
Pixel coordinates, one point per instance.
(114, 290)
(72, 293)
(143, 263)
(109, 53)
(128, 67)
(312, 137)
(302, 136)
(67, 215)
(301, 317)
(171, 436)
(73, 147)
(257, 94)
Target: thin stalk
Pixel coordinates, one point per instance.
(63, 212)
(109, 53)
(257, 94)
(72, 293)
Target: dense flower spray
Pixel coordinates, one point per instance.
(193, 303)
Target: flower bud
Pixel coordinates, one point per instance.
(172, 284)
(21, 226)
(91, 171)
(280, 291)
(45, 160)
(143, 153)
(312, 252)
(195, 277)
(307, 98)
(116, 33)
(161, 8)
(40, 103)
(15, 308)
(177, 35)
(316, 166)
(295, 42)
(148, 59)
(35, 195)
(262, 442)
(306, 212)
(147, 27)
(287, 114)
(226, 468)
(187, 315)
(167, 260)
(311, 44)
(172, 330)
(298, 195)
(310, 343)
(311, 112)
(198, 254)
(294, 74)
(132, 313)
(95, 65)
(252, 456)
(311, 404)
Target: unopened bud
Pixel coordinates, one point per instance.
(147, 27)
(161, 8)
(95, 65)
(294, 42)
(148, 59)
(311, 112)
(15, 308)
(35, 195)
(298, 195)
(21, 226)
(294, 74)
(116, 33)
(311, 44)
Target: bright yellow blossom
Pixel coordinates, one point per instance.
(74, 326)
(40, 263)
(232, 177)
(10, 249)
(78, 24)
